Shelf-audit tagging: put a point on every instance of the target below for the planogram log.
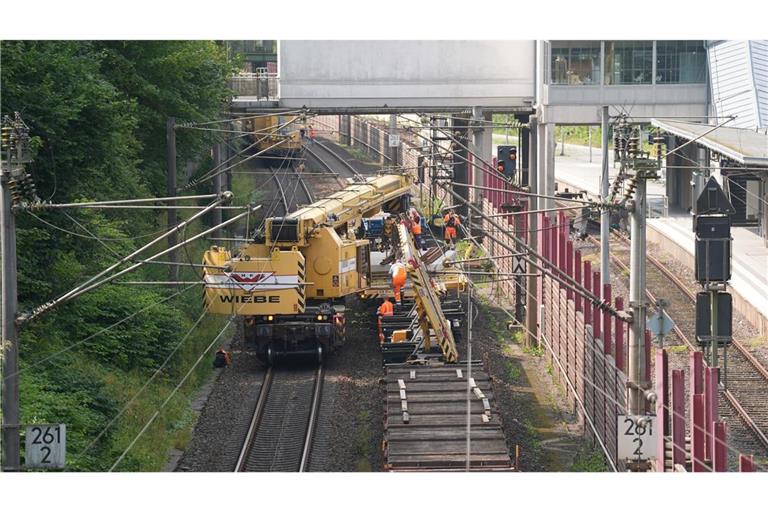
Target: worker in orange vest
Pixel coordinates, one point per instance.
(312, 134)
(451, 222)
(415, 226)
(386, 309)
(398, 273)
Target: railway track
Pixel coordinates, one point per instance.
(356, 175)
(280, 189)
(745, 390)
(304, 186)
(282, 428)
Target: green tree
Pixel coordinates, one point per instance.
(97, 113)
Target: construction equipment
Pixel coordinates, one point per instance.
(429, 321)
(289, 284)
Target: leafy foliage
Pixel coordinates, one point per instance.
(97, 111)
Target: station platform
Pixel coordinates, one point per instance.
(673, 232)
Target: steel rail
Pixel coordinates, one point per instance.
(327, 166)
(312, 420)
(303, 183)
(255, 420)
(341, 159)
(280, 189)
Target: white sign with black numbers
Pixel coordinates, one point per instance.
(46, 446)
(394, 140)
(637, 437)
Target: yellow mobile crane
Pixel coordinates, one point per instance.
(289, 282)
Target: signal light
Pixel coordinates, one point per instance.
(270, 318)
(507, 160)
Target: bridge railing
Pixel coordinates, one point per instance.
(262, 85)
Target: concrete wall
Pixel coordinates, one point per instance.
(326, 74)
(569, 104)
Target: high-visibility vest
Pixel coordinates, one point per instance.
(386, 308)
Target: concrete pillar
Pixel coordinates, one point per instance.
(546, 174)
(541, 158)
(672, 175)
(689, 157)
(461, 170)
(482, 146)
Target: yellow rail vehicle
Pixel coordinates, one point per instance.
(275, 134)
(290, 284)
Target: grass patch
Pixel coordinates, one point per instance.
(589, 461)
(757, 342)
(677, 349)
(513, 371)
(360, 154)
(534, 350)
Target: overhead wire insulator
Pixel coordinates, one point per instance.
(631, 186)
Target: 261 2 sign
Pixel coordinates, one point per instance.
(46, 446)
(637, 439)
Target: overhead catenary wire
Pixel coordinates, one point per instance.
(217, 171)
(563, 278)
(63, 230)
(243, 118)
(151, 379)
(102, 331)
(85, 288)
(598, 353)
(725, 176)
(171, 395)
(598, 388)
(52, 206)
(487, 169)
(71, 293)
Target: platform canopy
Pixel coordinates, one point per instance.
(746, 146)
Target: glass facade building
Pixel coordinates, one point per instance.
(627, 62)
(576, 62)
(681, 62)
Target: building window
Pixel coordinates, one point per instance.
(680, 62)
(628, 62)
(575, 62)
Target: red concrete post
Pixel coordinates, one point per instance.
(577, 265)
(588, 286)
(710, 400)
(607, 341)
(678, 417)
(719, 449)
(561, 238)
(596, 308)
(569, 264)
(746, 464)
(696, 364)
(698, 433)
(552, 232)
(662, 417)
(619, 328)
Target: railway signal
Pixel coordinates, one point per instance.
(712, 225)
(506, 157)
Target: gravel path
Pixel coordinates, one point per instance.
(223, 423)
(535, 413)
